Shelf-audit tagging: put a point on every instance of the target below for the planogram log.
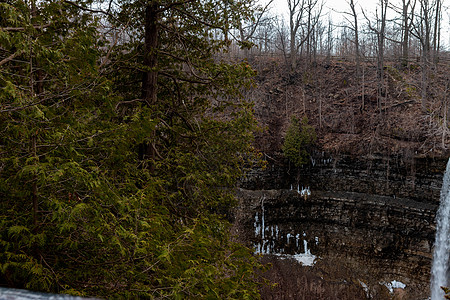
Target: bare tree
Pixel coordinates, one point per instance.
(329, 40)
(354, 27)
(422, 31)
(266, 34)
(282, 39)
(247, 30)
(437, 29)
(407, 16)
(318, 45)
(296, 10)
(407, 19)
(314, 11)
(380, 32)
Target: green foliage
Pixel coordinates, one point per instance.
(81, 212)
(299, 137)
(446, 291)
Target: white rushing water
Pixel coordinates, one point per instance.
(439, 268)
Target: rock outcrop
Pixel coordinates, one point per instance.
(368, 225)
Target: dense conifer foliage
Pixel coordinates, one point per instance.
(299, 138)
(117, 154)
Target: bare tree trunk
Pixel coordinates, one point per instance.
(308, 35)
(320, 108)
(363, 90)
(406, 29)
(424, 81)
(293, 51)
(355, 28)
(445, 116)
(426, 49)
(380, 57)
(436, 32)
(282, 34)
(295, 16)
(329, 41)
(244, 39)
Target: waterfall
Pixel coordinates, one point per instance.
(439, 268)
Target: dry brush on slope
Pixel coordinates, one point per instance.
(350, 115)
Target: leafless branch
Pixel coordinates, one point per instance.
(18, 29)
(11, 57)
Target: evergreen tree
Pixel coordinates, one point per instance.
(299, 138)
(116, 165)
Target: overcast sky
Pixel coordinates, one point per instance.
(333, 6)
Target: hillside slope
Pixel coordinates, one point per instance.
(348, 115)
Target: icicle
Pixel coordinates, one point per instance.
(262, 217)
(257, 228)
(305, 245)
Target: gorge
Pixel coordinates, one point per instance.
(358, 219)
(365, 231)
(127, 127)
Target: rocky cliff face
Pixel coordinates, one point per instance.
(363, 230)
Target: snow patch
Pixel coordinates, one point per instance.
(394, 284)
(307, 260)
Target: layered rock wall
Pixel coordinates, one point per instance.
(417, 179)
(369, 223)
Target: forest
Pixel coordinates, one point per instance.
(125, 126)
(368, 80)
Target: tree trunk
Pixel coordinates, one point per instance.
(363, 91)
(406, 28)
(293, 50)
(437, 25)
(426, 34)
(150, 76)
(380, 60)
(245, 40)
(34, 192)
(149, 80)
(355, 19)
